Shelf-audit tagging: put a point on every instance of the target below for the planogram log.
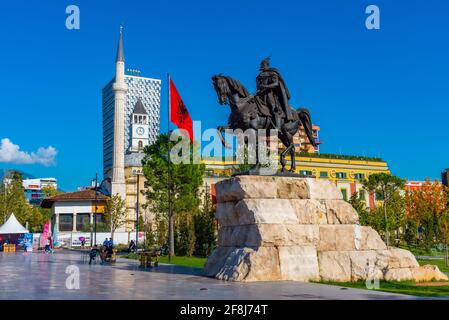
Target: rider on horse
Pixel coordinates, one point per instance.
(273, 92)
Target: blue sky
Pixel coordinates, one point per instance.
(373, 92)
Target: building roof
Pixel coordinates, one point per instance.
(134, 159)
(139, 108)
(120, 54)
(84, 195)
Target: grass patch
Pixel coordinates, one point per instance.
(404, 287)
(437, 262)
(419, 251)
(193, 262)
(129, 256)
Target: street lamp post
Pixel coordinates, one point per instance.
(6, 207)
(96, 201)
(95, 212)
(137, 216)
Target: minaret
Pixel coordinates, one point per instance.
(120, 88)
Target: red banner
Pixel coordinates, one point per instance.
(178, 111)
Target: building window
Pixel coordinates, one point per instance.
(323, 174)
(362, 195)
(140, 145)
(65, 222)
(341, 175)
(99, 218)
(379, 196)
(83, 222)
(344, 193)
(359, 176)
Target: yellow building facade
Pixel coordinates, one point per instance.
(346, 172)
(131, 173)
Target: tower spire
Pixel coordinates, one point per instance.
(118, 158)
(120, 55)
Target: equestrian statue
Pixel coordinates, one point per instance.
(268, 109)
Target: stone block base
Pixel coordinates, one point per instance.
(285, 228)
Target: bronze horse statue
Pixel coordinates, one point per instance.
(246, 114)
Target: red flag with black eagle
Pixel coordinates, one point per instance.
(178, 111)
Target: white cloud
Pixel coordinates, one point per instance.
(11, 153)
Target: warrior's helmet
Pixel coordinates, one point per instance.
(265, 63)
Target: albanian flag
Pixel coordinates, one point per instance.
(178, 111)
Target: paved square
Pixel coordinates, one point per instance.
(41, 276)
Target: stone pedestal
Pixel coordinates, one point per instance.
(285, 228)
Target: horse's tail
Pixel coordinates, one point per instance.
(306, 120)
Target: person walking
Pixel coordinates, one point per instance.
(132, 246)
(93, 254)
(47, 245)
(51, 244)
(83, 241)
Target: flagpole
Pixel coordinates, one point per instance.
(170, 218)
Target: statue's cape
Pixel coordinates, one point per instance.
(284, 94)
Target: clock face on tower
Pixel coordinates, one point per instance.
(140, 131)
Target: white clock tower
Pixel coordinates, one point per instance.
(140, 128)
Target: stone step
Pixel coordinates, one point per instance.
(273, 187)
(300, 211)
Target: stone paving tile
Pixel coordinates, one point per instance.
(42, 276)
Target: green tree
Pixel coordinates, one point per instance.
(184, 234)
(410, 232)
(50, 191)
(115, 213)
(425, 207)
(396, 216)
(161, 229)
(102, 227)
(443, 225)
(358, 204)
(205, 227)
(182, 187)
(366, 217)
(36, 218)
(142, 225)
(3, 205)
(386, 185)
(13, 198)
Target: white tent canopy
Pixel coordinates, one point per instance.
(12, 226)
